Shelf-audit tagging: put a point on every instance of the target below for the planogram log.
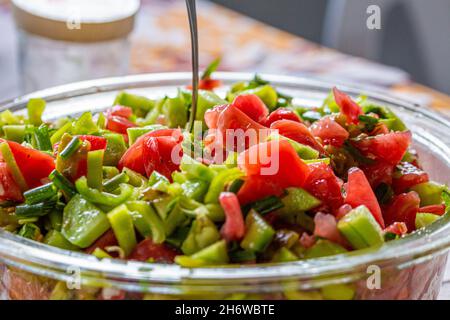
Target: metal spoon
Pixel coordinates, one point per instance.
(192, 13)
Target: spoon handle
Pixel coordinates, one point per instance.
(192, 12)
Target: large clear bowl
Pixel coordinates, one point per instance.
(410, 268)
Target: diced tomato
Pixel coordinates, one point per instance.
(270, 167)
(329, 131)
(281, 114)
(162, 154)
(325, 226)
(147, 249)
(438, 209)
(212, 116)
(234, 227)
(207, 84)
(324, 185)
(343, 210)
(235, 130)
(121, 111)
(108, 239)
(307, 241)
(297, 132)
(379, 172)
(408, 175)
(403, 208)
(389, 148)
(119, 124)
(380, 128)
(252, 106)
(111, 293)
(398, 228)
(359, 193)
(348, 107)
(133, 158)
(97, 143)
(34, 164)
(9, 190)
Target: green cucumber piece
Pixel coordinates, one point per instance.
(258, 233)
(298, 200)
(215, 254)
(429, 192)
(425, 219)
(56, 239)
(323, 248)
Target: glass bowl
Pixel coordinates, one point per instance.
(409, 268)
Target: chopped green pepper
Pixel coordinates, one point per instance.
(203, 233)
(214, 254)
(97, 197)
(147, 221)
(35, 108)
(122, 224)
(95, 169)
(258, 233)
(56, 239)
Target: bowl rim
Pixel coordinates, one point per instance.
(50, 261)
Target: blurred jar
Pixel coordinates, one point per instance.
(62, 41)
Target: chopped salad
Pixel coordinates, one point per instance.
(258, 178)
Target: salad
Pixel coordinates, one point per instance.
(256, 178)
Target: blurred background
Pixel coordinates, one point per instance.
(50, 42)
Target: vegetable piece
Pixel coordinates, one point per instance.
(84, 125)
(407, 176)
(30, 231)
(323, 184)
(270, 167)
(97, 197)
(115, 148)
(95, 169)
(147, 249)
(429, 192)
(258, 233)
(57, 135)
(252, 106)
(42, 138)
(206, 100)
(359, 193)
(62, 183)
(298, 199)
(195, 169)
(347, 106)
(390, 147)
(56, 239)
(403, 208)
(40, 194)
(218, 184)
(360, 228)
(267, 205)
(113, 183)
(203, 233)
(136, 132)
(11, 168)
(215, 254)
(140, 105)
(305, 152)
(83, 222)
(395, 229)
(122, 224)
(425, 219)
(325, 226)
(71, 148)
(284, 255)
(16, 132)
(329, 131)
(266, 93)
(101, 254)
(323, 248)
(211, 68)
(35, 210)
(105, 241)
(281, 114)
(195, 189)
(438, 209)
(96, 142)
(147, 221)
(9, 189)
(35, 108)
(234, 227)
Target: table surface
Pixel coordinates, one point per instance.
(160, 43)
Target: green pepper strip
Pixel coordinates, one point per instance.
(13, 167)
(113, 183)
(62, 183)
(71, 148)
(147, 220)
(218, 184)
(60, 132)
(95, 169)
(35, 110)
(107, 199)
(122, 224)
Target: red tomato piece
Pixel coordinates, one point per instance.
(348, 107)
(359, 193)
(398, 228)
(162, 154)
(324, 185)
(281, 114)
(325, 226)
(207, 84)
(389, 148)
(403, 208)
(252, 106)
(133, 158)
(121, 111)
(212, 116)
(408, 176)
(9, 190)
(270, 167)
(108, 239)
(34, 164)
(297, 132)
(234, 227)
(147, 249)
(119, 124)
(438, 209)
(329, 131)
(307, 241)
(97, 143)
(379, 172)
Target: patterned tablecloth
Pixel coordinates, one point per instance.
(160, 43)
